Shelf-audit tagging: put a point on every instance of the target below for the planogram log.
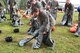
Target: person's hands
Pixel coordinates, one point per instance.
(44, 33)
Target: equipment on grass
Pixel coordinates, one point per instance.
(16, 30)
(8, 39)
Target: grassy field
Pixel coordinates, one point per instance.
(66, 42)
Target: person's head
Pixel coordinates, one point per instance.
(35, 11)
(34, 1)
(68, 1)
(48, 7)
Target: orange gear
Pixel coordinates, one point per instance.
(53, 28)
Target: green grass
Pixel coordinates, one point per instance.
(66, 42)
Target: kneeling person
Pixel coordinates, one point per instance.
(16, 20)
(78, 28)
(43, 33)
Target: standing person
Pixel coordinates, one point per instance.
(68, 14)
(11, 3)
(32, 4)
(28, 8)
(54, 7)
(2, 13)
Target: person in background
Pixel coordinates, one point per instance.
(44, 30)
(68, 14)
(53, 8)
(11, 4)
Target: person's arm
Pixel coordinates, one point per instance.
(45, 26)
(56, 7)
(71, 9)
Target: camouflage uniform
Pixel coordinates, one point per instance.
(28, 8)
(68, 15)
(44, 25)
(11, 3)
(34, 22)
(35, 25)
(54, 6)
(16, 20)
(2, 13)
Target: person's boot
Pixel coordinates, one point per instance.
(52, 47)
(23, 42)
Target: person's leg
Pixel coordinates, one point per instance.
(64, 20)
(55, 16)
(52, 13)
(48, 41)
(78, 28)
(70, 20)
(38, 41)
(66, 24)
(11, 15)
(29, 31)
(24, 41)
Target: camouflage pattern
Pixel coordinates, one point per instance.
(68, 15)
